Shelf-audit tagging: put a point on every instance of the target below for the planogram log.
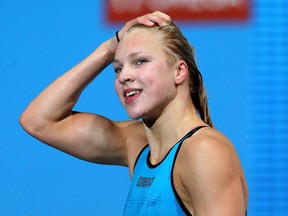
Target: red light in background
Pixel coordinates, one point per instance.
(199, 10)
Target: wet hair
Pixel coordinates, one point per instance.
(177, 47)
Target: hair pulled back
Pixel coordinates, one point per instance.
(177, 47)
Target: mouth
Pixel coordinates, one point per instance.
(131, 94)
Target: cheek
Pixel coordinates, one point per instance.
(118, 88)
(165, 88)
(160, 89)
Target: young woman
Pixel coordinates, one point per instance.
(178, 162)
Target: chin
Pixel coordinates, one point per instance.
(135, 114)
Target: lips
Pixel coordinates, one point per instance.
(131, 94)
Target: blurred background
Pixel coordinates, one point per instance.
(242, 52)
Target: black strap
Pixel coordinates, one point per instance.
(181, 203)
(190, 133)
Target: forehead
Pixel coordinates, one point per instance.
(140, 40)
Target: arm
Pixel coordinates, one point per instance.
(213, 177)
(50, 118)
(91, 137)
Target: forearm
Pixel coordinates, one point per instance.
(49, 117)
(57, 100)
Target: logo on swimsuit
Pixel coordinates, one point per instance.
(145, 181)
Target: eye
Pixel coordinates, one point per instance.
(140, 61)
(118, 69)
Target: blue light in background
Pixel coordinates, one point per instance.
(245, 71)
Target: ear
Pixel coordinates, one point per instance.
(181, 72)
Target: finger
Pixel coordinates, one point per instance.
(162, 15)
(147, 19)
(153, 19)
(150, 19)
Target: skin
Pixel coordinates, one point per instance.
(150, 74)
(208, 175)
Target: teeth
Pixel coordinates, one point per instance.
(128, 94)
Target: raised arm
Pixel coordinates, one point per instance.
(91, 137)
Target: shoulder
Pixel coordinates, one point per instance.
(207, 146)
(132, 131)
(210, 156)
(135, 138)
(210, 170)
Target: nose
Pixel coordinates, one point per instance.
(125, 76)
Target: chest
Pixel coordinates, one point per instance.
(152, 190)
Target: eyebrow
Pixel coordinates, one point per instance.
(131, 55)
(115, 61)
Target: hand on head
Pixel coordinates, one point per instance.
(150, 19)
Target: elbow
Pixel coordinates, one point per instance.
(25, 122)
(29, 123)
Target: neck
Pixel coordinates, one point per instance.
(174, 122)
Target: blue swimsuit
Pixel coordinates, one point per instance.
(152, 190)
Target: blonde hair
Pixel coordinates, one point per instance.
(177, 47)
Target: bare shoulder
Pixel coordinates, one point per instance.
(211, 175)
(135, 139)
(210, 150)
(207, 145)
